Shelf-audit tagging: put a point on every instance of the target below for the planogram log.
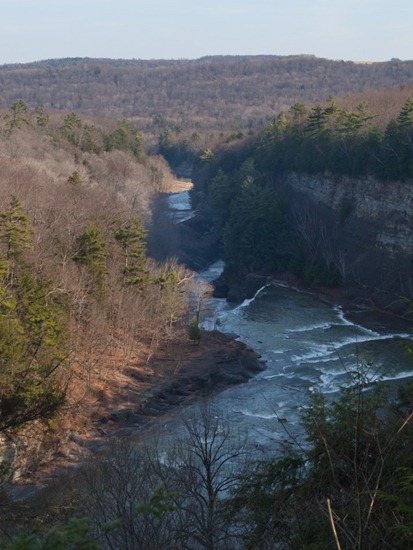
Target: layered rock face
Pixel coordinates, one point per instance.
(363, 226)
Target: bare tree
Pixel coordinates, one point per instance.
(116, 489)
(200, 469)
(163, 495)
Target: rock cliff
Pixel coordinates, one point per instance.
(362, 225)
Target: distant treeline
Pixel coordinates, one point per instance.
(208, 94)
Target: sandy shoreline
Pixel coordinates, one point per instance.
(177, 186)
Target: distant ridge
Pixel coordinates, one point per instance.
(213, 91)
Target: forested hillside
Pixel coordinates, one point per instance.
(79, 299)
(211, 94)
(184, 108)
(84, 311)
(348, 150)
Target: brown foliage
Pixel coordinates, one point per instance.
(108, 190)
(208, 94)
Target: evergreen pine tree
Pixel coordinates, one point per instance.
(132, 240)
(91, 251)
(15, 231)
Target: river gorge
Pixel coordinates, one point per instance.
(308, 342)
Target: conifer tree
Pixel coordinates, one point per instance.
(132, 240)
(15, 231)
(91, 251)
(6, 297)
(194, 332)
(126, 137)
(72, 128)
(316, 120)
(17, 115)
(405, 117)
(33, 330)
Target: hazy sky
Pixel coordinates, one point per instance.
(369, 30)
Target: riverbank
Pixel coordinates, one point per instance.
(179, 372)
(141, 393)
(357, 308)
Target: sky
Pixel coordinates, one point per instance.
(357, 30)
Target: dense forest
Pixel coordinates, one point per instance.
(207, 96)
(260, 229)
(81, 301)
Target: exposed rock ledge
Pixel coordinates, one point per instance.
(185, 371)
(364, 227)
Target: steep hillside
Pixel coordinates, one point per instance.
(364, 227)
(324, 192)
(79, 300)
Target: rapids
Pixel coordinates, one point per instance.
(307, 344)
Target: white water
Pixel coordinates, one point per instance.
(307, 344)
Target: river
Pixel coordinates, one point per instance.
(308, 344)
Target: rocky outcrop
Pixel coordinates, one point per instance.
(221, 362)
(362, 225)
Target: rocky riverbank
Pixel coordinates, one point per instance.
(179, 373)
(359, 305)
(133, 404)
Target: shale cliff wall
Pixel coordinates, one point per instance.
(362, 225)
